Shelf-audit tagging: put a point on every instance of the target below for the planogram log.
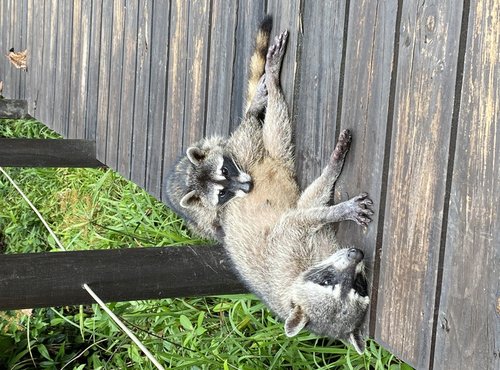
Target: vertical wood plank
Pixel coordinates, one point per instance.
(424, 97)
(220, 81)
(74, 116)
(365, 108)
(128, 88)
(161, 49)
(3, 33)
(250, 14)
(196, 71)
(28, 86)
(49, 60)
(176, 81)
(22, 15)
(79, 69)
(37, 48)
(318, 86)
(93, 71)
(104, 77)
(14, 42)
(468, 322)
(115, 84)
(82, 90)
(141, 102)
(62, 68)
(288, 16)
(4, 39)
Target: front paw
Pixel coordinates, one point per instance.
(358, 209)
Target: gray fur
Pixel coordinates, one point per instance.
(280, 240)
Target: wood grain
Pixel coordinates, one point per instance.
(47, 153)
(115, 275)
(141, 100)
(318, 86)
(424, 99)
(468, 323)
(221, 63)
(104, 78)
(365, 98)
(129, 77)
(115, 83)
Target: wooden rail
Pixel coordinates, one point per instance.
(51, 279)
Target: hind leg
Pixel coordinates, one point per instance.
(277, 130)
(319, 192)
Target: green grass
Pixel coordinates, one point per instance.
(98, 209)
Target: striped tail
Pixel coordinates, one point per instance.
(258, 58)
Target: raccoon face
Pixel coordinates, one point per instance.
(215, 179)
(331, 299)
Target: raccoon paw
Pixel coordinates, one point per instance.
(275, 55)
(359, 211)
(343, 145)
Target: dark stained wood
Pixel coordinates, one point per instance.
(80, 56)
(318, 86)
(179, 15)
(36, 59)
(104, 78)
(162, 49)
(128, 88)
(10, 108)
(249, 16)
(29, 29)
(365, 105)
(47, 153)
(93, 71)
(424, 97)
(196, 71)
(146, 79)
(115, 275)
(54, 61)
(220, 67)
(141, 102)
(115, 83)
(468, 322)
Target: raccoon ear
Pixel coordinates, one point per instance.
(357, 341)
(295, 322)
(195, 155)
(188, 199)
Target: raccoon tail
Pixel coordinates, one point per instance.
(258, 58)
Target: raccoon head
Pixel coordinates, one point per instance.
(215, 178)
(331, 299)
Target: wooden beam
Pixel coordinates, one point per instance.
(10, 108)
(56, 279)
(48, 153)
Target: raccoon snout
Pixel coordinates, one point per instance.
(355, 254)
(246, 186)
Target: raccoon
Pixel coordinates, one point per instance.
(243, 191)
(281, 241)
(213, 171)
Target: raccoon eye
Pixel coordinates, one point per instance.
(224, 171)
(325, 283)
(222, 193)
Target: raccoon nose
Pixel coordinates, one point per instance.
(355, 254)
(246, 186)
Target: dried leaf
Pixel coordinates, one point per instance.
(19, 58)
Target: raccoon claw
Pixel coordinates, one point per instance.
(275, 54)
(343, 145)
(359, 211)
